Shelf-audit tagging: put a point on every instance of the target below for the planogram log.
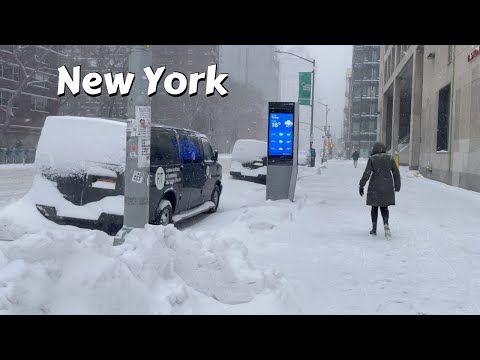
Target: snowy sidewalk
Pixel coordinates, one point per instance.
(320, 242)
(15, 181)
(323, 246)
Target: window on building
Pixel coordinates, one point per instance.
(41, 79)
(450, 53)
(9, 71)
(8, 48)
(5, 96)
(189, 51)
(356, 108)
(373, 126)
(355, 126)
(364, 126)
(189, 62)
(385, 74)
(443, 118)
(357, 91)
(39, 103)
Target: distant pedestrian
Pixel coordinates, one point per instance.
(382, 186)
(355, 157)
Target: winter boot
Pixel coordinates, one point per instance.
(374, 229)
(388, 234)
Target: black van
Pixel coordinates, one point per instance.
(185, 176)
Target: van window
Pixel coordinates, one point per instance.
(164, 149)
(208, 154)
(190, 148)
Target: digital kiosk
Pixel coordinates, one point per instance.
(282, 154)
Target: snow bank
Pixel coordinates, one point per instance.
(45, 192)
(16, 166)
(225, 160)
(159, 270)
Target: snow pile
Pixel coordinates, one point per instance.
(16, 166)
(414, 174)
(159, 270)
(225, 160)
(67, 143)
(45, 192)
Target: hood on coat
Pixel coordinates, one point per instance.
(379, 148)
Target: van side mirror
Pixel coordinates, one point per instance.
(215, 156)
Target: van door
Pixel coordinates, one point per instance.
(187, 151)
(210, 170)
(165, 168)
(199, 174)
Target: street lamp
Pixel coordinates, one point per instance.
(312, 158)
(327, 132)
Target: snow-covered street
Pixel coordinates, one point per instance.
(320, 244)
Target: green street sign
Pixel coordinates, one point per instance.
(304, 88)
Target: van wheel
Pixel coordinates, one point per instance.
(215, 199)
(164, 213)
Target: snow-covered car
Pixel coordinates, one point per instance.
(80, 165)
(303, 157)
(249, 161)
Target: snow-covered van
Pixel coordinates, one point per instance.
(249, 160)
(79, 177)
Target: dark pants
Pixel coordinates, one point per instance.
(385, 214)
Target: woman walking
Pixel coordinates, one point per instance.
(382, 186)
(355, 157)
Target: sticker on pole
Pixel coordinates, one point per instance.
(138, 177)
(144, 152)
(133, 151)
(160, 178)
(143, 120)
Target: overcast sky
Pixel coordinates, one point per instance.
(331, 63)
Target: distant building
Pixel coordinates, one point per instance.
(256, 69)
(364, 98)
(36, 101)
(186, 59)
(346, 134)
(430, 108)
(256, 65)
(102, 59)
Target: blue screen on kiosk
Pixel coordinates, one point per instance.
(280, 135)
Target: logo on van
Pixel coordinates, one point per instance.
(160, 178)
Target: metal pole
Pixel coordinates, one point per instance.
(311, 121)
(137, 164)
(328, 130)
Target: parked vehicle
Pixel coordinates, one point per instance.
(80, 166)
(249, 161)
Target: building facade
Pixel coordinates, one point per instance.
(38, 96)
(346, 131)
(431, 98)
(102, 59)
(364, 98)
